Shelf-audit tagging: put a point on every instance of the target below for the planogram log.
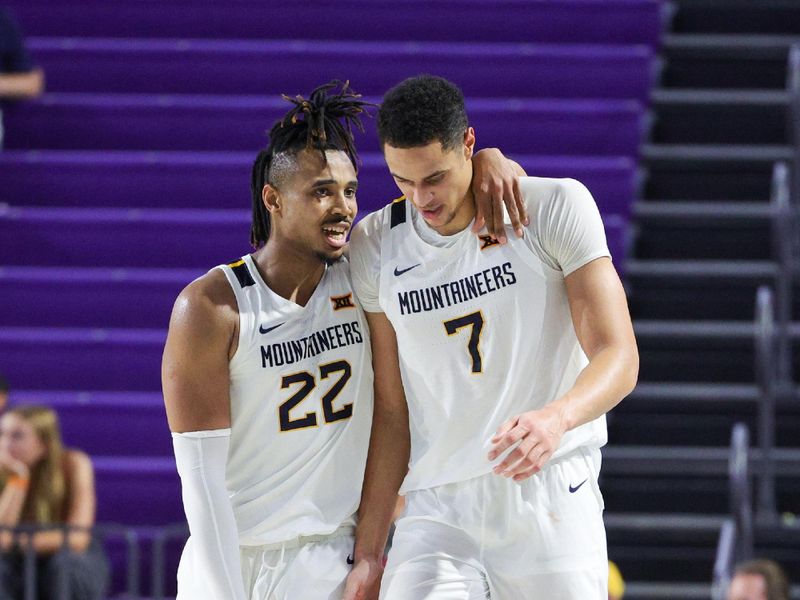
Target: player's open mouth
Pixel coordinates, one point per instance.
(336, 234)
(431, 213)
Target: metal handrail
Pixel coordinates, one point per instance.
(736, 535)
(767, 377)
(793, 87)
(163, 535)
(740, 492)
(724, 561)
(30, 565)
(784, 232)
(103, 530)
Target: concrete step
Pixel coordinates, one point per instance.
(694, 172)
(694, 289)
(725, 61)
(736, 16)
(710, 213)
(700, 116)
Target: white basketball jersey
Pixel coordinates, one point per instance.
(484, 333)
(301, 407)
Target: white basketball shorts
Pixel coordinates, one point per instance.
(308, 568)
(490, 537)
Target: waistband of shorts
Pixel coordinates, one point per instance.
(302, 540)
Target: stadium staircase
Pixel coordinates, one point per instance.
(706, 230)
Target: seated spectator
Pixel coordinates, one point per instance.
(45, 484)
(759, 580)
(19, 78)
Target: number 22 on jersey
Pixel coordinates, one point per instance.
(308, 382)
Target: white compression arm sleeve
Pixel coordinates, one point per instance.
(201, 457)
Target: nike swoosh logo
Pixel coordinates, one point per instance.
(350, 560)
(572, 490)
(398, 272)
(268, 329)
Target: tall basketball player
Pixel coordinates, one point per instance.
(267, 376)
(494, 368)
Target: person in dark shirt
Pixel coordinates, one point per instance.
(19, 77)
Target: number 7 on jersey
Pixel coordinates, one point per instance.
(475, 321)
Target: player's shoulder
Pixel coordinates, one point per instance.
(207, 299)
(539, 190)
(371, 223)
(547, 195)
(366, 235)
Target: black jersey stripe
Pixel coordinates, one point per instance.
(398, 216)
(242, 273)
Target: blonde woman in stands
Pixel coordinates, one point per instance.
(47, 485)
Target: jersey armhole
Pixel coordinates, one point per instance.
(234, 281)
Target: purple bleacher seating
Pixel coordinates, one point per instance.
(131, 238)
(124, 122)
(559, 21)
(222, 179)
(274, 67)
(86, 297)
(138, 491)
(50, 358)
(122, 238)
(107, 423)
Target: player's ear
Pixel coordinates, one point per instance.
(469, 143)
(271, 199)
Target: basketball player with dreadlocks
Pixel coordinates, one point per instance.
(267, 377)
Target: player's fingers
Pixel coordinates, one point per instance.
(519, 458)
(511, 207)
(522, 208)
(356, 584)
(482, 205)
(505, 428)
(479, 222)
(526, 474)
(350, 590)
(534, 463)
(498, 230)
(507, 440)
(542, 461)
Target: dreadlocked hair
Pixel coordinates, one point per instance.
(326, 124)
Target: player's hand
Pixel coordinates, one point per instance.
(495, 183)
(364, 581)
(539, 434)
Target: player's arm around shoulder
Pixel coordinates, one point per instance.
(202, 337)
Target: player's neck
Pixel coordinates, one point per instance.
(464, 215)
(289, 273)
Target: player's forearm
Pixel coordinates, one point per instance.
(201, 459)
(22, 85)
(610, 375)
(387, 465)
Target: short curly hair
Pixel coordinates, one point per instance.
(421, 110)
